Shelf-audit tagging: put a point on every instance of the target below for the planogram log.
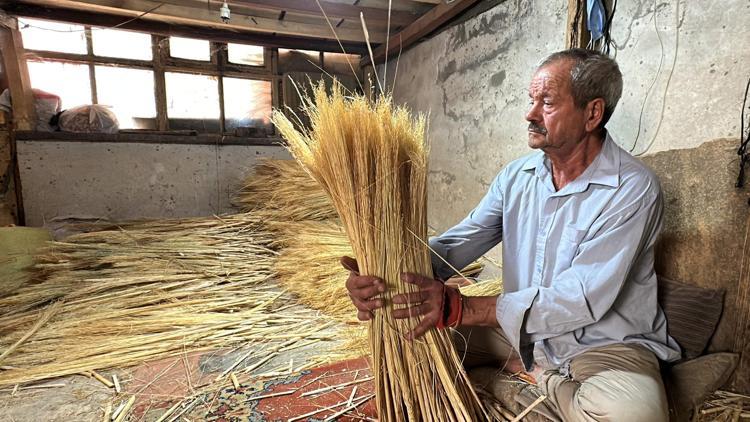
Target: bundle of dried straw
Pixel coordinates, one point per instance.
(284, 189)
(372, 161)
(122, 295)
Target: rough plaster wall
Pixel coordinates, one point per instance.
(472, 80)
(127, 180)
(704, 95)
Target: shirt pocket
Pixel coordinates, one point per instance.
(570, 239)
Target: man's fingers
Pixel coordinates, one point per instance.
(421, 328)
(364, 315)
(367, 305)
(416, 279)
(357, 282)
(414, 297)
(366, 293)
(350, 264)
(412, 311)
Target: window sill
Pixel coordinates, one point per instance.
(147, 138)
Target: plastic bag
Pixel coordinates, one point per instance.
(93, 118)
(45, 104)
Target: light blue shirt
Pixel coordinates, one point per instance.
(578, 263)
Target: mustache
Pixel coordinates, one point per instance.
(533, 127)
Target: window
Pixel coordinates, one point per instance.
(69, 81)
(122, 44)
(132, 102)
(52, 36)
(188, 48)
(188, 87)
(193, 102)
(245, 54)
(247, 104)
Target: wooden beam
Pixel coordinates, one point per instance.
(412, 6)
(216, 32)
(333, 10)
(423, 26)
(14, 66)
(576, 32)
(160, 49)
(151, 10)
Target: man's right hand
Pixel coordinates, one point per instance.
(363, 289)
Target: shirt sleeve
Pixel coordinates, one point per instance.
(587, 290)
(472, 237)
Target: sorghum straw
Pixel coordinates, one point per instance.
(371, 159)
(283, 188)
(134, 292)
(308, 266)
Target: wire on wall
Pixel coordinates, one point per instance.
(656, 77)
(744, 138)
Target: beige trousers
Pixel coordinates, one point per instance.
(619, 382)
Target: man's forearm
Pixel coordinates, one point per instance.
(479, 311)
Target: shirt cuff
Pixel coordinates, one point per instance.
(511, 313)
(440, 270)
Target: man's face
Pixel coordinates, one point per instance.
(555, 123)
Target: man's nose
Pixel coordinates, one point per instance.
(532, 115)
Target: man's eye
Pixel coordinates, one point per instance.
(547, 103)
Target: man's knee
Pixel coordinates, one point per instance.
(623, 397)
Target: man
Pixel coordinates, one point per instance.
(578, 222)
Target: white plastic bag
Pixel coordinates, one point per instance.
(93, 118)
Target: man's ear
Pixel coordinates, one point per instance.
(594, 114)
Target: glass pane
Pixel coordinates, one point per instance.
(69, 81)
(132, 102)
(123, 44)
(188, 48)
(52, 36)
(192, 102)
(245, 54)
(247, 104)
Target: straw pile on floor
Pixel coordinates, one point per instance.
(122, 295)
(372, 161)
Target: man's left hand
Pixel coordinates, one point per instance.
(429, 302)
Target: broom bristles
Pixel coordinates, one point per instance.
(372, 161)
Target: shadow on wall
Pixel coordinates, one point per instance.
(703, 241)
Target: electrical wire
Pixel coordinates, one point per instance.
(744, 139)
(28, 25)
(669, 77)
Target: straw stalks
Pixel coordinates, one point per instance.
(371, 159)
(483, 288)
(286, 191)
(145, 290)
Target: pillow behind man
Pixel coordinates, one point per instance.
(692, 314)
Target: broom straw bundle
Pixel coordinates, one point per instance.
(286, 191)
(371, 159)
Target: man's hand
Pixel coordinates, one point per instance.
(438, 305)
(363, 289)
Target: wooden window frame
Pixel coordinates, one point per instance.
(161, 62)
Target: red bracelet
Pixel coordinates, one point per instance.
(452, 308)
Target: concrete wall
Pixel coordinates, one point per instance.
(123, 181)
(473, 78)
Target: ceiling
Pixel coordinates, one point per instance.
(306, 24)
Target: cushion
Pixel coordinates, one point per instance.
(689, 383)
(692, 314)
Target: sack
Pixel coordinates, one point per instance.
(93, 118)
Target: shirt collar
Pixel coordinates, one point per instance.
(604, 170)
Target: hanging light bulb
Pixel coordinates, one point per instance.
(224, 12)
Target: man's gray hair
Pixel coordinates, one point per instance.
(593, 75)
